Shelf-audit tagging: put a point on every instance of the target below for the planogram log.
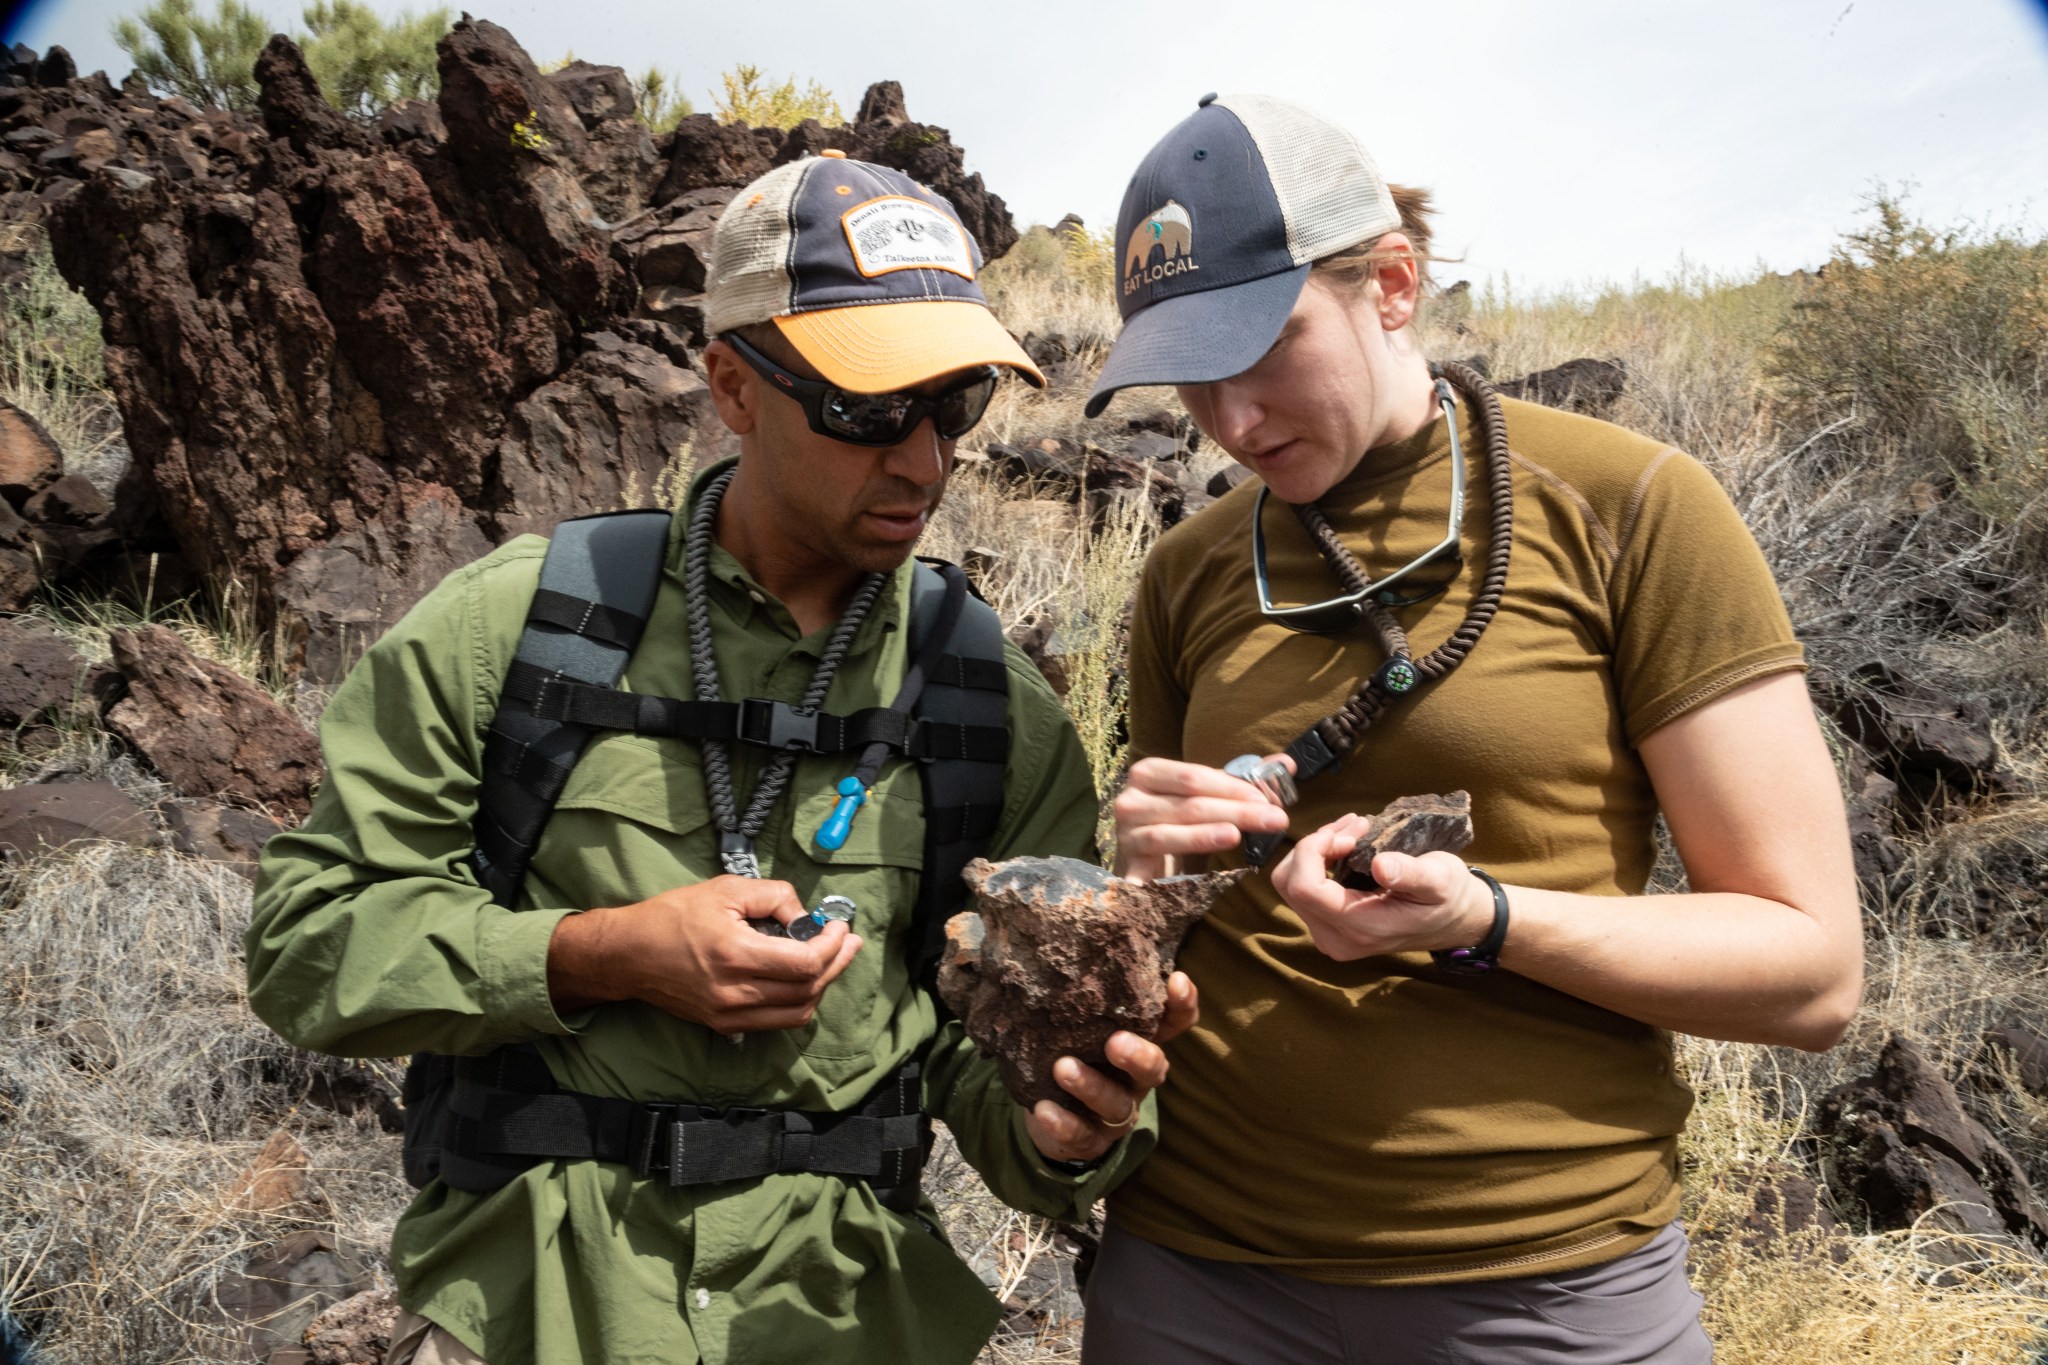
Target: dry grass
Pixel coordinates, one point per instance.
(135, 1088)
(50, 362)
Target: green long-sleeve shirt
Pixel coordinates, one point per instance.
(371, 937)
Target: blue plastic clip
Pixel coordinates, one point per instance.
(852, 796)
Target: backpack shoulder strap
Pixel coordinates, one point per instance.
(967, 685)
(597, 586)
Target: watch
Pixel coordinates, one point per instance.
(1483, 956)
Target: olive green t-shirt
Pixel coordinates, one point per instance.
(1384, 1121)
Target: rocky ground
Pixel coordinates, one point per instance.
(340, 359)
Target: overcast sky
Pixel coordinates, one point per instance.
(1568, 142)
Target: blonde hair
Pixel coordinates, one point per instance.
(1356, 265)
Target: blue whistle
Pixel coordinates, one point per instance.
(852, 796)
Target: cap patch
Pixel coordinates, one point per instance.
(898, 233)
(1162, 244)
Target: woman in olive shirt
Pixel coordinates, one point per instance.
(1437, 1119)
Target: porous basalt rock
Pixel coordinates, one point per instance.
(348, 356)
(1058, 956)
(1412, 825)
(207, 729)
(1899, 1142)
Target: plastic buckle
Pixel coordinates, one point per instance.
(645, 1137)
(778, 725)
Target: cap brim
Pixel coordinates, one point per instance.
(1194, 338)
(882, 347)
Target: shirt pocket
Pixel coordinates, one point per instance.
(879, 867)
(631, 823)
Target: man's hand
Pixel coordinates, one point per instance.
(1169, 811)
(1425, 903)
(1061, 1134)
(691, 952)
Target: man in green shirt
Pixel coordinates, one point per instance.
(854, 348)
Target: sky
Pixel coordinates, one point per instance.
(1568, 144)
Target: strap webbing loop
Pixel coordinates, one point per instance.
(593, 620)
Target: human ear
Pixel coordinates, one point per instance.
(1400, 282)
(733, 392)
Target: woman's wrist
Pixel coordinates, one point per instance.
(1480, 953)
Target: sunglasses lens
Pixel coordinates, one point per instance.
(963, 407)
(870, 418)
(1324, 621)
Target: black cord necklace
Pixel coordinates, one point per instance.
(736, 831)
(1328, 742)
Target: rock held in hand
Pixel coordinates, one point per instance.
(1413, 825)
(1061, 955)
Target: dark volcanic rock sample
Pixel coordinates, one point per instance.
(1061, 955)
(207, 729)
(1413, 825)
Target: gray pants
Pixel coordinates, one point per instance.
(1151, 1306)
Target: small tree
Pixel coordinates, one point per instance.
(658, 102)
(207, 61)
(364, 63)
(751, 99)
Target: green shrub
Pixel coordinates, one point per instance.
(211, 62)
(364, 62)
(1932, 343)
(751, 98)
(658, 102)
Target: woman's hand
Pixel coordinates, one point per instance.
(1170, 811)
(1426, 903)
(1061, 1134)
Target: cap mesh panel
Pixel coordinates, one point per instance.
(1331, 193)
(750, 253)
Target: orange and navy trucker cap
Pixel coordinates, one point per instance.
(867, 273)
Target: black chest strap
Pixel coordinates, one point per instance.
(597, 587)
(963, 798)
(477, 1122)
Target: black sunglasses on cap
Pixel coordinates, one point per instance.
(875, 419)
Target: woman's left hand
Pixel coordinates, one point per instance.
(1425, 904)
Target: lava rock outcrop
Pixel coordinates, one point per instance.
(350, 357)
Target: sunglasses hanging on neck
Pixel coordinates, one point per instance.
(1341, 613)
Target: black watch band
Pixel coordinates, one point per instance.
(1483, 956)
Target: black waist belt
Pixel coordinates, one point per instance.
(881, 1142)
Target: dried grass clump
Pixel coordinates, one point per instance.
(1016, 1256)
(50, 361)
(135, 1089)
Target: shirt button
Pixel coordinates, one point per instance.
(703, 1298)
(755, 593)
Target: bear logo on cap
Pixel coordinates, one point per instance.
(1167, 229)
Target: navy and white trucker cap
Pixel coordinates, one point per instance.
(869, 274)
(1218, 229)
